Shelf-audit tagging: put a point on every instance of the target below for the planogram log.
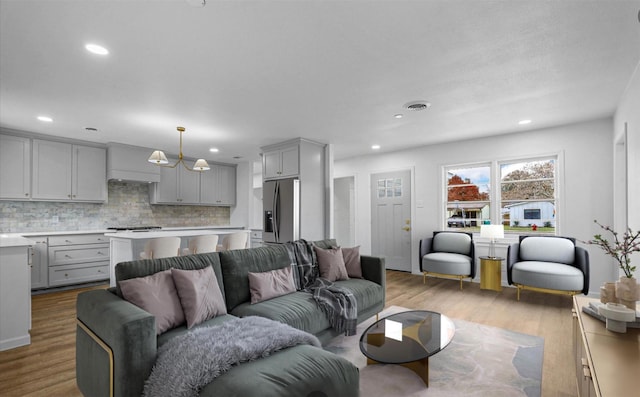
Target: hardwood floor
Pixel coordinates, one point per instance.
(47, 366)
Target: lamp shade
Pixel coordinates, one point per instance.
(201, 165)
(492, 231)
(158, 157)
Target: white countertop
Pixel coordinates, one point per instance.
(14, 241)
(104, 231)
(172, 233)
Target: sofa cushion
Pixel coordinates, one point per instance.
(331, 264)
(162, 339)
(446, 263)
(454, 242)
(352, 261)
(157, 295)
(199, 294)
(237, 264)
(297, 309)
(367, 293)
(146, 267)
(547, 249)
(549, 275)
(271, 284)
(297, 371)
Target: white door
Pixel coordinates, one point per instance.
(391, 218)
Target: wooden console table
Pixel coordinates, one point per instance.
(607, 363)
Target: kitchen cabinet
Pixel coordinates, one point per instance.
(177, 186)
(66, 172)
(282, 162)
(15, 297)
(218, 185)
(15, 167)
(77, 259)
(39, 263)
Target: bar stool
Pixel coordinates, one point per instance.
(161, 247)
(201, 244)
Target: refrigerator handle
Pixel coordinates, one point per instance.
(276, 214)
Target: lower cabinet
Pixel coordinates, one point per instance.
(15, 300)
(39, 262)
(75, 259)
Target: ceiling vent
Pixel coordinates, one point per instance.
(417, 105)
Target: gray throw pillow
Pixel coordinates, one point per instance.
(199, 294)
(267, 285)
(331, 264)
(157, 295)
(351, 258)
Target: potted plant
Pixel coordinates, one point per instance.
(621, 249)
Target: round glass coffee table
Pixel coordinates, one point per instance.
(407, 339)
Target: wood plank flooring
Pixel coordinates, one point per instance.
(47, 366)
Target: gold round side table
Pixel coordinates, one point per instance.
(491, 273)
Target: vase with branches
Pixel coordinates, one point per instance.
(621, 248)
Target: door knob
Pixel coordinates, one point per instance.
(406, 228)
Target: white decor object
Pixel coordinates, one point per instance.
(492, 232)
(617, 316)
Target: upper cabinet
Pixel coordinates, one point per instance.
(15, 168)
(66, 172)
(281, 162)
(218, 185)
(215, 187)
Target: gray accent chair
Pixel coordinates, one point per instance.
(550, 264)
(448, 254)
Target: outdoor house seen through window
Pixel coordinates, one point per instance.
(524, 196)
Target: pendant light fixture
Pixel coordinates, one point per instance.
(159, 158)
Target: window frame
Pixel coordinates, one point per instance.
(495, 199)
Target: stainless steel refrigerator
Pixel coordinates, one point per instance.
(281, 206)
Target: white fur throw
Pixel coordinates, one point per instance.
(188, 362)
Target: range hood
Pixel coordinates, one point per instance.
(129, 163)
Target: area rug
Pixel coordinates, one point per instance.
(479, 361)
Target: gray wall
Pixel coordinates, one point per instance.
(128, 205)
(586, 166)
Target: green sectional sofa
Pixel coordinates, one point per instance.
(116, 344)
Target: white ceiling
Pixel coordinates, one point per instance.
(242, 74)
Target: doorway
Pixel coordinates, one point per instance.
(391, 218)
(344, 217)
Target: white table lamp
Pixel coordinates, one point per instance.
(492, 232)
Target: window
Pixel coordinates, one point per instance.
(522, 194)
(468, 199)
(528, 195)
(532, 213)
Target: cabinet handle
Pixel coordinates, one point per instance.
(66, 275)
(67, 256)
(100, 253)
(67, 241)
(26, 194)
(74, 196)
(68, 195)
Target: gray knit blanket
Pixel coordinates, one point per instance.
(190, 361)
(338, 304)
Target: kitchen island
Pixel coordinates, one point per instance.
(126, 246)
(15, 297)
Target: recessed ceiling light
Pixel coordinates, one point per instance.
(45, 118)
(524, 122)
(375, 147)
(214, 150)
(96, 49)
(398, 116)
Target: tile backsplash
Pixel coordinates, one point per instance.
(128, 205)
